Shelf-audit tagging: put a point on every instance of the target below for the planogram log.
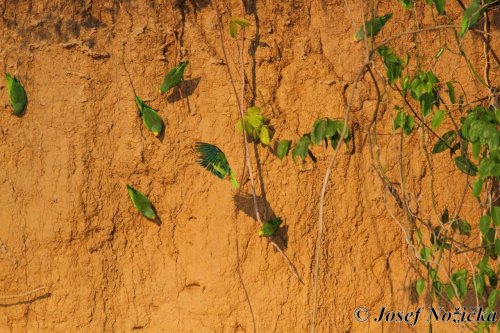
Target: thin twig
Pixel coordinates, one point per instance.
(24, 294)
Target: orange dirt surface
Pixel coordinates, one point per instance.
(67, 223)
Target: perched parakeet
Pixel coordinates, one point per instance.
(17, 94)
(173, 77)
(270, 227)
(141, 202)
(372, 27)
(213, 159)
(152, 120)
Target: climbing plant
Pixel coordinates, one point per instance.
(426, 103)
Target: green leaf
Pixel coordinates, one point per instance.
(301, 148)
(270, 227)
(425, 254)
(235, 21)
(437, 286)
(427, 101)
(150, 117)
(492, 299)
(407, 4)
(17, 95)
(319, 131)
(464, 228)
(459, 278)
(424, 83)
(283, 148)
(419, 236)
(141, 202)
(214, 160)
(495, 215)
(400, 120)
(471, 16)
(393, 64)
(477, 187)
(476, 149)
(264, 136)
(440, 4)
(372, 27)
(451, 92)
(488, 167)
(447, 139)
(173, 77)
(420, 286)
(339, 125)
(465, 165)
(497, 246)
(253, 117)
(479, 284)
(484, 224)
(437, 119)
(409, 124)
(450, 293)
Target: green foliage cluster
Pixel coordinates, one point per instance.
(255, 125)
(323, 130)
(477, 140)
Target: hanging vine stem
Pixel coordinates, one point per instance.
(241, 100)
(322, 198)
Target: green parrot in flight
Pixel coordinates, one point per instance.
(213, 159)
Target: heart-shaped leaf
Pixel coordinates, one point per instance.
(319, 131)
(270, 227)
(301, 148)
(477, 187)
(17, 95)
(437, 119)
(283, 148)
(141, 202)
(484, 224)
(419, 286)
(264, 136)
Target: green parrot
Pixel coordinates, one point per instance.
(152, 120)
(141, 202)
(173, 77)
(213, 159)
(270, 227)
(17, 94)
(372, 27)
